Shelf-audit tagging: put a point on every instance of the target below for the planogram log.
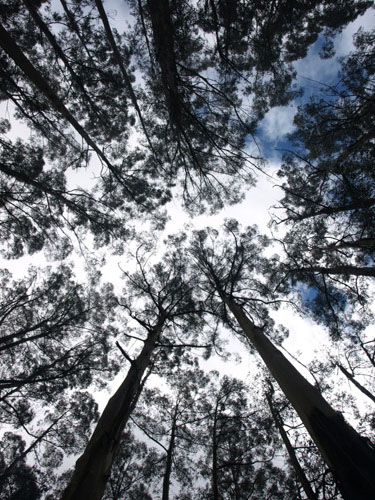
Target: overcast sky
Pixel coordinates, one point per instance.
(305, 336)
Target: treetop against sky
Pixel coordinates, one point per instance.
(141, 142)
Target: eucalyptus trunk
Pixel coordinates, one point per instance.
(351, 457)
(345, 270)
(215, 483)
(93, 468)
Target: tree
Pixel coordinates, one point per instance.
(134, 468)
(329, 202)
(168, 312)
(38, 209)
(328, 197)
(53, 338)
(349, 456)
(172, 419)
(291, 452)
(22, 483)
(238, 460)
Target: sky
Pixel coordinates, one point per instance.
(305, 337)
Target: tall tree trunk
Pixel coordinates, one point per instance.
(168, 465)
(93, 468)
(162, 29)
(347, 270)
(351, 457)
(292, 455)
(215, 486)
(359, 386)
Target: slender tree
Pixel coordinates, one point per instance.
(169, 297)
(350, 457)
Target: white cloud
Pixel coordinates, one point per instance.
(278, 122)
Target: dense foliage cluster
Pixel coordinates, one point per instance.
(121, 123)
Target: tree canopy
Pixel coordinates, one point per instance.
(118, 322)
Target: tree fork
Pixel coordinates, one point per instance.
(351, 457)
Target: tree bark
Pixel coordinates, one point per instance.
(168, 465)
(93, 468)
(162, 29)
(292, 455)
(351, 457)
(349, 376)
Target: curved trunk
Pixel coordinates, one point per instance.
(351, 457)
(93, 468)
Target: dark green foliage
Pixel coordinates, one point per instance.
(329, 196)
(162, 112)
(53, 339)
(21, 483)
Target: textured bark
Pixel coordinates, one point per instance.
(292, 455)
(355, 382)
(164, 47)
(93, 468)
(351, 457)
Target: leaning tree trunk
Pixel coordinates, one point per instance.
(32, 73)
(351, 457)
(94, 466)
(292, 455)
